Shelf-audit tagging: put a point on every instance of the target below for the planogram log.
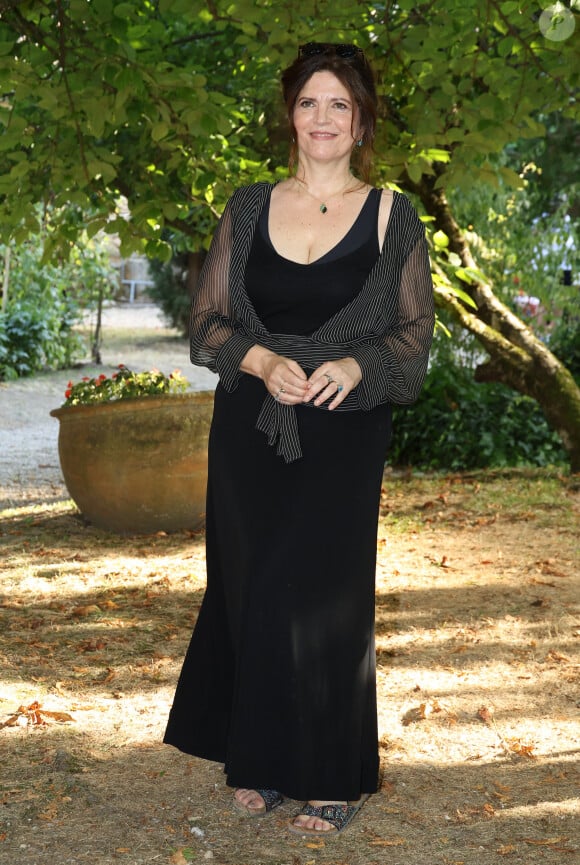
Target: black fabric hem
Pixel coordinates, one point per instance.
(346, 794)
(202, 753)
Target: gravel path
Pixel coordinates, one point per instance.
(29, 464)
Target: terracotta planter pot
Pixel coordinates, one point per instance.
(138, 465)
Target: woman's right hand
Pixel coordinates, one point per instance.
(285, 380)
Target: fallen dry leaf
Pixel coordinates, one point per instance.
(57, 716)
(516, 747)
(106, 677)
(546, 568)
(553, 843)
(421, 712)
(178, 858)
(545, 842)
(485, 714)
(109, 605)
(50, 812)
(388, 842)
(34, 716)
(88, 610)
(91, 645)
(506, 849)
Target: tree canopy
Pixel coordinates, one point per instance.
(171, 103)
(141, 116)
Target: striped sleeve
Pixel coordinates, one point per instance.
(394, 365)
(216, 340)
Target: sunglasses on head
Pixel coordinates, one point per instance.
(339, 49)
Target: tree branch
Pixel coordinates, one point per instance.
(62, 64)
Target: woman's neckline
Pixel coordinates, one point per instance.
(320, 258)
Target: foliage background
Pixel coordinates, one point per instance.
(46, 300)
(139, 118)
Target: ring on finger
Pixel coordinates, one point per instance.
(328, 378)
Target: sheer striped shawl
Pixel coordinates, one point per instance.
(387, 327)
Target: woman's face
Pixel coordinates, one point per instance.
(325, 118)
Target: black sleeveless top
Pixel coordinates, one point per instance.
(289, 297)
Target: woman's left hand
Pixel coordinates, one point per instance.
(333, 380)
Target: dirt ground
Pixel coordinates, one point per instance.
(477, 646)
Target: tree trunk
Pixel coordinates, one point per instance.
(6, 278)
(517, 358)
(96, 346)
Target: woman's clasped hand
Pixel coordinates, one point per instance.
(331, 383)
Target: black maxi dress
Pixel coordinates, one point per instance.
(279, 679)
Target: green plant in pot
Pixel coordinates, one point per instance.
(123, 384)
(133, 450)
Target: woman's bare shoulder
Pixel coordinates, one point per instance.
(385, 207)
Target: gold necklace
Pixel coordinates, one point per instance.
(323, 207)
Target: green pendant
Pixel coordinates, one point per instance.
(323, 208)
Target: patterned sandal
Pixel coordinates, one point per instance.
(271, 800)
(339, 816)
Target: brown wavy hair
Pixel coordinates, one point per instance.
(355, 73)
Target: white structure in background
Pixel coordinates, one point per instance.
(134, 277)
(134, 274)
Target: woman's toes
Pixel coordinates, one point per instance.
(249, 799)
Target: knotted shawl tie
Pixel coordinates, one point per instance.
(279, 423)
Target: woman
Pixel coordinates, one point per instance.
(315, 307)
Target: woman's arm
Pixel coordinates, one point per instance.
(394, 367)
(391, 367)
(216, 340)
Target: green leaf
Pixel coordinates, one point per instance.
(98, 168)
(415, 171)
(158, 249)
(124, 10)
(462, 295)
(159, 131)
(440, 239)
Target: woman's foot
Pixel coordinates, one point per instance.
(313, 822)
(256, 802)
(322, 817)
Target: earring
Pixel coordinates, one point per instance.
(359, 142)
